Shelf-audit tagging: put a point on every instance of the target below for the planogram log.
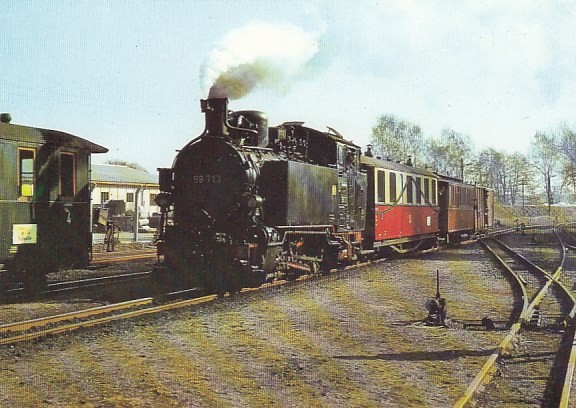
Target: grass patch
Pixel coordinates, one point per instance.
(327, 373)
(179, 365)
(231, 373)
(283, 373)
(133, 371)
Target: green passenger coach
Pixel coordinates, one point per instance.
(44, 204)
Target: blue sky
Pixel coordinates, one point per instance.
(129, 74)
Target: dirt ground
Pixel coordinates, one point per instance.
(354, 339)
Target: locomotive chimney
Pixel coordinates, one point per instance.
(216, 110)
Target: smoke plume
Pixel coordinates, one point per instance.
(257, 55)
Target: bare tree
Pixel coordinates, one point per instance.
(567, 147)
(520, 177)
(568, 142)
(545, 155)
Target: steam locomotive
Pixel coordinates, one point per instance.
(245, 203)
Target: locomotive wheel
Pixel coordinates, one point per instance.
(329, 261)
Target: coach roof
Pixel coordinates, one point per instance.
(19, 133)
(391, 165)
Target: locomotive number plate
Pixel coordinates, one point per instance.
(207, 179)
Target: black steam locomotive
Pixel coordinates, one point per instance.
(250, 203)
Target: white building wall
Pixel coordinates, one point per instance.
(120, 192)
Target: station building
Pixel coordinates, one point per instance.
(133, 186)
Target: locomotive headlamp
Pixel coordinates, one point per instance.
(163, 200)
(255, 201)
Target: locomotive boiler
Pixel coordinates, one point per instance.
(246, 203)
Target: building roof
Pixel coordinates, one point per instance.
(118, 174)
(29, 134)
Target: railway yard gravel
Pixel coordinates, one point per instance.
(354, 338)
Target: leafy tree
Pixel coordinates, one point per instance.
(449, 153)
(397, 139)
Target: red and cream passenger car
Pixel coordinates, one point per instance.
(402, 211)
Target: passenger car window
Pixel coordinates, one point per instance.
(410, 189)
(381, 186)
(67, 175)
(393, 196)
(26, 159)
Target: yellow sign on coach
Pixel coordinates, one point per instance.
(24, 234)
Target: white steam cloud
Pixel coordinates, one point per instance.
(257, 55)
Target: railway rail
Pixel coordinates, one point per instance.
(100, 260)
(541, 327)
(17, 332)
(63, 323)
(123, 256)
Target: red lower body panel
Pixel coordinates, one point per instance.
(403, 221)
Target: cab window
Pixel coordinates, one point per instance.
(26, 159)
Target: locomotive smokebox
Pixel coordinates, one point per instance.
(216, 110)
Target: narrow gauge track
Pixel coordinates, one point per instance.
(123, 256)
(569, 280)
(63, 323)
(66, 287)
(126, 282)
(535, 360)
(18, 332)
(98, 282)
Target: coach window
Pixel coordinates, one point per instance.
(418, 190)
(381, 197)
(433, 192)
(392, 188)
(26, 159)
(410, 190)
(67, 175)
(402, 193)
(427, 190)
